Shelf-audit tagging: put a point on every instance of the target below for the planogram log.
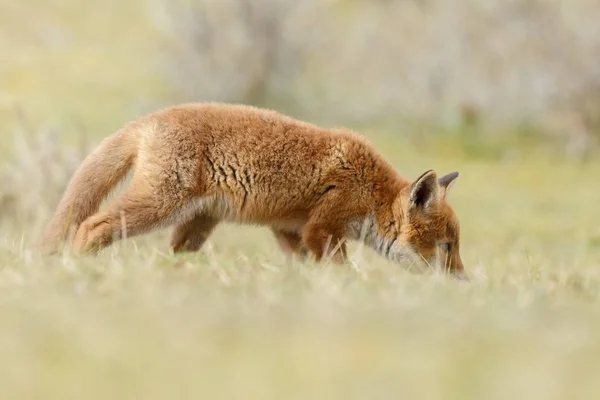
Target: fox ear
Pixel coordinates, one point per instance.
(447, 181)
(424, 192)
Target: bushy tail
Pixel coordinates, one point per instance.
(95, 178)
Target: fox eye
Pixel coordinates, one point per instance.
(446, 247)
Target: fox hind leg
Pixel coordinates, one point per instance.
(134, 213)
(191, 235)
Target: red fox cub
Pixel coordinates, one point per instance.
(195, 165)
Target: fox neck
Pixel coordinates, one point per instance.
(368, 230)
(381, 229)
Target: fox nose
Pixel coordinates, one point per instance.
(459, 270)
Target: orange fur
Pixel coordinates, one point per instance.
(195, 165)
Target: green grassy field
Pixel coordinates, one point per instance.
(235, 320)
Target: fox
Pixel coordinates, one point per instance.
(195, 165)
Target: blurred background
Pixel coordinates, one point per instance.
(414, 67)
(505, 91)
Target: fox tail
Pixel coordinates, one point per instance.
(91, 183)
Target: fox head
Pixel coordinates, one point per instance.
(429, 226)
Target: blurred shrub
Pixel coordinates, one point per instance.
(241, 50)
(387, 60)
(32, 182)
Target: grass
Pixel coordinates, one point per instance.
(237, 321)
